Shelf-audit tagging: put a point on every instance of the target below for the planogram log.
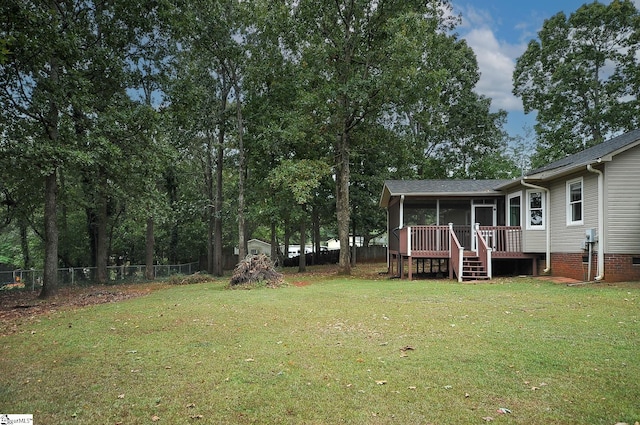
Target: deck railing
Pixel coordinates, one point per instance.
(435, 240)
(503, 239)
(425, 240)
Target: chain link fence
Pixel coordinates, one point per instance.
(79, 276)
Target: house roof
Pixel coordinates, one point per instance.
(439, 188)
(604, 151)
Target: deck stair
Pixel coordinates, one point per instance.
(472, 268)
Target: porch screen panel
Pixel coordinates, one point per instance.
(423, 214)
(456, 212)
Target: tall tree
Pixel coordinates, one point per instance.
(64, 75)
(578, 75)
(211, 35)
(345, 46)
(39, 86)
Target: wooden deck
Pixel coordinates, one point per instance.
(458, 244)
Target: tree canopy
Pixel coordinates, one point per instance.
(581, 77)
(169, 131)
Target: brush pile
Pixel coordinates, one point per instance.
(256, 270)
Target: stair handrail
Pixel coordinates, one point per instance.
(483, 251)
(456, 254)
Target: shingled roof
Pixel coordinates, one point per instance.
(439, 187)
(600, 152)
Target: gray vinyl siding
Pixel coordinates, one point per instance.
(568, 238)
(622, 209)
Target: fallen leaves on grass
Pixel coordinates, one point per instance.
(18, 305)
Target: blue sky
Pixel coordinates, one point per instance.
(499, 31)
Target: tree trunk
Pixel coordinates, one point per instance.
(24, 244)
(172, 191)
(92, 230)
(63, 250)
(287, 237)
(342, 202)
(316, 235)
(302, 259)
(101, 240)
(50, 276)
(275, 257)
(149, 250)
(242, 236)
(211, 206)
(217, 220)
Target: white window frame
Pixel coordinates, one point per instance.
(570, 203)
(509, 198)
(543, 202)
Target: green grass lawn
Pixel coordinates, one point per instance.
(339, 350)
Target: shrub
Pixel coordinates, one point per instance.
(256, 270)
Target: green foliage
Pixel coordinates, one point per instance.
(300, 178)
(137, 110)
(580, 76)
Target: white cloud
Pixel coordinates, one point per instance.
(496, 61)
(496, 58)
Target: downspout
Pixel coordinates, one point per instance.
(547, 223)
(600, 272)
(401, 215)
(388, 241)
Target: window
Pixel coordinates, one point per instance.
(513, 215)
(574, 202)
(535, 210)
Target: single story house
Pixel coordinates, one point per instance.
(577, 217)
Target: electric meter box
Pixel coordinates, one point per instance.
(590, 235)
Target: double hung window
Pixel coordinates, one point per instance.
(575, 202)
(535, 210)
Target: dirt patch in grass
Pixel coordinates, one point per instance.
(19, 306)
(372, 271)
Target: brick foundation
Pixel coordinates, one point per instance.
(617, 267)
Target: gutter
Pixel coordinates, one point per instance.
(600, 271)
(547, 223)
